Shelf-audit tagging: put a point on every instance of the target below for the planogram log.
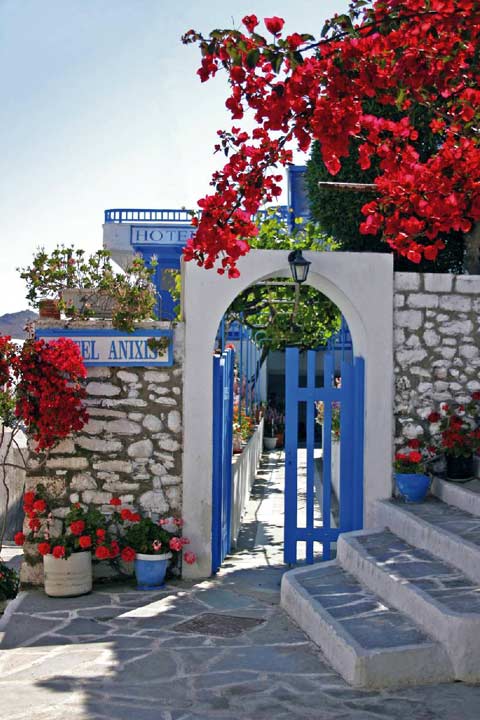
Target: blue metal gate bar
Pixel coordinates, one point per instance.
(349, 396)
(310, 420)
(359, 430)
(291, 459)
(222, 456)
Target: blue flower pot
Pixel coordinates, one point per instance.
(150, 570)
(413, 487)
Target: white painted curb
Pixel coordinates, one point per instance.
(459, 633)
(417, 531)
(393, 667)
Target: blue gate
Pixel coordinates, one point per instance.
(222, 455)
(344, 400)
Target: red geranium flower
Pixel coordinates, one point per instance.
(58, 552)
(100, 534)
(43, 548)
(114, 549)
(34, 524)
(414, 443)
(189, 557)
(19, 538)
(77, 527)
(126, 514)
(415, 457)
(85, 542)
(115, 501)
(40, 505)
(128, 554)
(274, 25)
(434, 417)
(102, 552)
(29, 498)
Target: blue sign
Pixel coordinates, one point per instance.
(112, 348)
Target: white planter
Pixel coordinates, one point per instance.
(70, 577)
(269, 443)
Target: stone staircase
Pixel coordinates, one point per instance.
(400, 605)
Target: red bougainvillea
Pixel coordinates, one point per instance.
(47, 393)
(405, 55)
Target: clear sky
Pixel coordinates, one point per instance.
(101, 107)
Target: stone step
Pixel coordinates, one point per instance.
(368, 642)
(465, 496)
(447, 531)
(441, 598)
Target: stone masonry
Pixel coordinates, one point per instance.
(436, 345)
(131, 447)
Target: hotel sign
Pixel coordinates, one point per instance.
(115, 348)
(160, 234)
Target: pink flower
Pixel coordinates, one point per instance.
(175, 544)
(156, 545)
(189, 558)
(184, 541)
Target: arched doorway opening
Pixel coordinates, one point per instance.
(361, 285)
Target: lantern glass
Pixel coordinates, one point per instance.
(299, 267)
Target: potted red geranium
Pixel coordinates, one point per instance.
(153, 546)
(410, 465)
(66, 544)
(457, 436)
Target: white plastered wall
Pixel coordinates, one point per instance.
(361, 285)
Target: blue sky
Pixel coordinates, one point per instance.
(101, 108)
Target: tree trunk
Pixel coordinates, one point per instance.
(471, 261)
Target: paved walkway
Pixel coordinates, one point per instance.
(216, 650)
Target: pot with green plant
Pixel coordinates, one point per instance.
(9, 585)
(89, 286)
(154, 547)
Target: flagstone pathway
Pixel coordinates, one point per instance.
(221, 649)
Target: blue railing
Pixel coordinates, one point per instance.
(128, 215)
(150, 215)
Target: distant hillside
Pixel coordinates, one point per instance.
(13, 324)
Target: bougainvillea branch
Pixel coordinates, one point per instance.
(41, 392)
(405, 55)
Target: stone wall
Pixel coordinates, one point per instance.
(131, 447)
(436, 345)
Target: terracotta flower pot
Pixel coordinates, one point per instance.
(68, 577)
(49, 309)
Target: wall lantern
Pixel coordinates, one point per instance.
(298, 266)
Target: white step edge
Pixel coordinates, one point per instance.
(459, 633)
(457, 494)
(446, 545)
(377, 668)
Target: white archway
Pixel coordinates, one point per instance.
(361, 285)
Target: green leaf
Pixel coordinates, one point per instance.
(253, 57)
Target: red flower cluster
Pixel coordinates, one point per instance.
(48, 391)
(406, 56)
